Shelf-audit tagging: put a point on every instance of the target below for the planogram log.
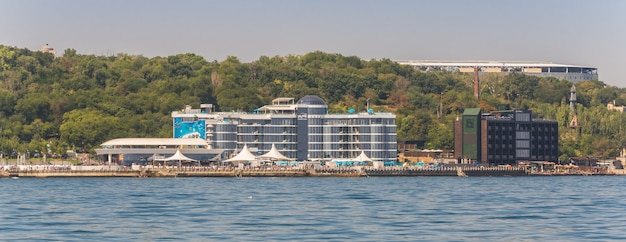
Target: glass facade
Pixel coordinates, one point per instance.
(303, 131)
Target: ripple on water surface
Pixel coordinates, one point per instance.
(314, 209)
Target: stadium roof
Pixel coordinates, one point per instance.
(486, 63)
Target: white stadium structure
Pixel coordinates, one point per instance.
(573, 73)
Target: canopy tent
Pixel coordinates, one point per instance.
(244, 155)
(273, 154)
(362, 158)
(178, 156)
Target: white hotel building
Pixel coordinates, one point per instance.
(302, 130)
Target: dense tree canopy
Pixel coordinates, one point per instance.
(82, 100)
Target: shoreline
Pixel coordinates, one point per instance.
(361, 172)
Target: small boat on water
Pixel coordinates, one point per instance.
(459, 172)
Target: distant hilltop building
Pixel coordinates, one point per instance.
(571, 73)
(301, 130)
(612, 106)
(48, 49)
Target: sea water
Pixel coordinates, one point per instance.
(314, 209)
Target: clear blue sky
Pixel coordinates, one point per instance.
(576, 32)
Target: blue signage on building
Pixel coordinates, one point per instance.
(196, 129)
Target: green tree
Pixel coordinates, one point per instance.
(440, 136)
(87, 128)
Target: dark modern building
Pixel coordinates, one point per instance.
(505, 137)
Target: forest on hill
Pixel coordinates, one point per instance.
(78, 101)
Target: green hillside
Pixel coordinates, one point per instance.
(79, 101)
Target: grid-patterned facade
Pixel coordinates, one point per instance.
(507, 137)
(302, 130)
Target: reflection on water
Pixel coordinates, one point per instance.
(314, 209)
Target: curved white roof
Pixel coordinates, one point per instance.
(487, 63)
(154, 141)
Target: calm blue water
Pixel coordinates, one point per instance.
(314, 209)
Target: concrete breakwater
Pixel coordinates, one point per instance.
(279, 172)
(233, 172)
(443, 171)
(44, 174)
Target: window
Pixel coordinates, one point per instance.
(469, 123)
(522, 143)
